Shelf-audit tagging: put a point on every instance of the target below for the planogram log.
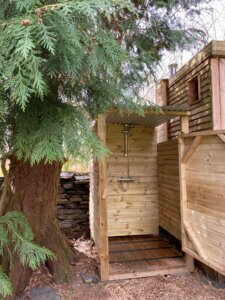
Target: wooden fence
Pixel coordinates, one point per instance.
(202, 191)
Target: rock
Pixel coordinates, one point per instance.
(44, 293)
(75, 199)
(67, 223)
(82, 177)
(62, 201)
(71, 205)
(66, 175)
(68, 186)
(68, 211)
(73, 202)
(89, 278)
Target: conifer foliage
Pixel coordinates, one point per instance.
(15, 231)
(62, 62)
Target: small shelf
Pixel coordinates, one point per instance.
(126, 179)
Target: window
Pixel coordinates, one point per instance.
(194, 90)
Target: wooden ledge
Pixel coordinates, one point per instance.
(159, 271)
(163, 110)
(202, 133)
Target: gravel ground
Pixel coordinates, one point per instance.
(183, 287)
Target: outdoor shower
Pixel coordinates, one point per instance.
(125, 180)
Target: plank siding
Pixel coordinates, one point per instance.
(201, 111)
(134, 210)
(205, 177)
(168, 186)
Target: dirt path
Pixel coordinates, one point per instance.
(184, 287)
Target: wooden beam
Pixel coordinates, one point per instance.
(221, 136)
(189, 260)
(202, 133)
(102, 194)
(159, 271)
(216, 108)
(162, 99)
(154, 112)
(222, 92)
(183, 191)
(195, 241)
(191, 149)
(213, 265)
(184, 123)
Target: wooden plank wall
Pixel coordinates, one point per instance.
(200, 112)
(134, 211)
(169, 188)
(205, 178)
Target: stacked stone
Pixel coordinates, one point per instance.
(73, 202)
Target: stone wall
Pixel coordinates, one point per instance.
(73, 203)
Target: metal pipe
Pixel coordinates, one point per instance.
(125, 131)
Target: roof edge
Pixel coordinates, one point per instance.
(212, 49)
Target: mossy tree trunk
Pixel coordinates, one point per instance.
(33, 190)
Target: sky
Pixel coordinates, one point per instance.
(212, 21)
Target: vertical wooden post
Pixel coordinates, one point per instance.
(184, 124)
(222, 92)
(162, 99)
(189, 260)
(102, 194)
(183, 193)
(215, 79)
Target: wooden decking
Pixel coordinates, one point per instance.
(143, 256)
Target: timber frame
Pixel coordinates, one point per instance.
(193, 244)
(103, 239)
(188, 160)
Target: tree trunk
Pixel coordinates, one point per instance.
(33, 190)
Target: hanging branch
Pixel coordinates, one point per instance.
(4, 188)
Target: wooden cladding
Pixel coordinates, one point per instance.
(199, 86)
(132, 209)
(202, 177)
(192, 90)
(169, 190)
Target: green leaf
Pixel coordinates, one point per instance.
(5, 284)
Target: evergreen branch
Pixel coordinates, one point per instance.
(15, 231)
(5, 284)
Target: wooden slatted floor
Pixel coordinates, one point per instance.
(142, 256)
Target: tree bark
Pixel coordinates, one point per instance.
(33, 190)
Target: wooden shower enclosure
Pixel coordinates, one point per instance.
(175, 182)
(124, 208)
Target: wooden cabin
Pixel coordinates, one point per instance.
(165, 170)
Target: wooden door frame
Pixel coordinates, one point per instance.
(102, 196)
